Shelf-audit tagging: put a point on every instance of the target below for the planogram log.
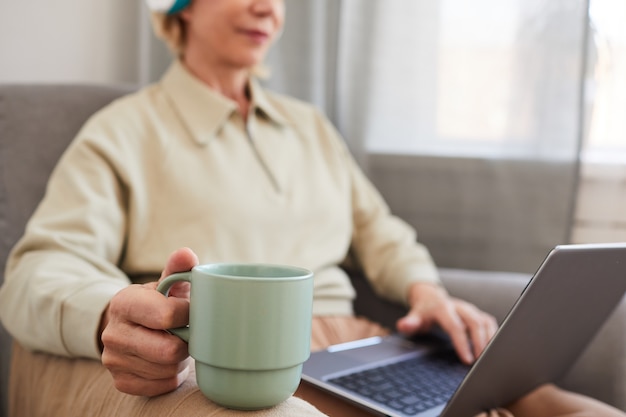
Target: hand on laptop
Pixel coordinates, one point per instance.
(469, 328)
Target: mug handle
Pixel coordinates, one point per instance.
(164, 288)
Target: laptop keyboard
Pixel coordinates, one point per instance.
(409, 386)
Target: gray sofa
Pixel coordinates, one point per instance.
(38, 121)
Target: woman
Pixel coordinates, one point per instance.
(209, 160)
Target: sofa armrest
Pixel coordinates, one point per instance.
(491, 291)
(494, 292)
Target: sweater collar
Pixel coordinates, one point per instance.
(204, 111)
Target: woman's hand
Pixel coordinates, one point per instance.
(142, 357)
(469, 328)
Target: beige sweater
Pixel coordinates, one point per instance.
(176, 165)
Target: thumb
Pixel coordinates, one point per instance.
(181, 260)
(410, 323)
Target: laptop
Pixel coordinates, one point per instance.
(563, 306)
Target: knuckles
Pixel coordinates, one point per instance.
(147, 307)
(168, 315)
(172, 350)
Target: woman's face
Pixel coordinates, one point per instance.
(232, 33)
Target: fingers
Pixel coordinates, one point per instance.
(142, 305)
(148, 384)
(142, 357)
(456, 328)
(469, 328)
(140, 368)
(411, 323)
(480, 325)
(426, 301)
(156, 346)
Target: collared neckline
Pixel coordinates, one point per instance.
(202, 110)
(260, 101)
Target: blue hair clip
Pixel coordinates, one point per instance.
(178, 6)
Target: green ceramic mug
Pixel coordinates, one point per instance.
(249, 330)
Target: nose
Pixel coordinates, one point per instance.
(266, 7)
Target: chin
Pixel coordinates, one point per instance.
(252, 63)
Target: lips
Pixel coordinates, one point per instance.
(257, 36)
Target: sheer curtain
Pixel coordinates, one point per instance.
(466, 115)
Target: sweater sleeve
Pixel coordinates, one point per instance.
(385, 246)
(62, 273)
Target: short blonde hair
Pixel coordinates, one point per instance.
(171, 29)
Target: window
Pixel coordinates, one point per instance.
(606, 88)
(495, 78)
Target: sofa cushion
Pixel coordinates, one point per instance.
(37, 122)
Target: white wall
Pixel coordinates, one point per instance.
(70, 40)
